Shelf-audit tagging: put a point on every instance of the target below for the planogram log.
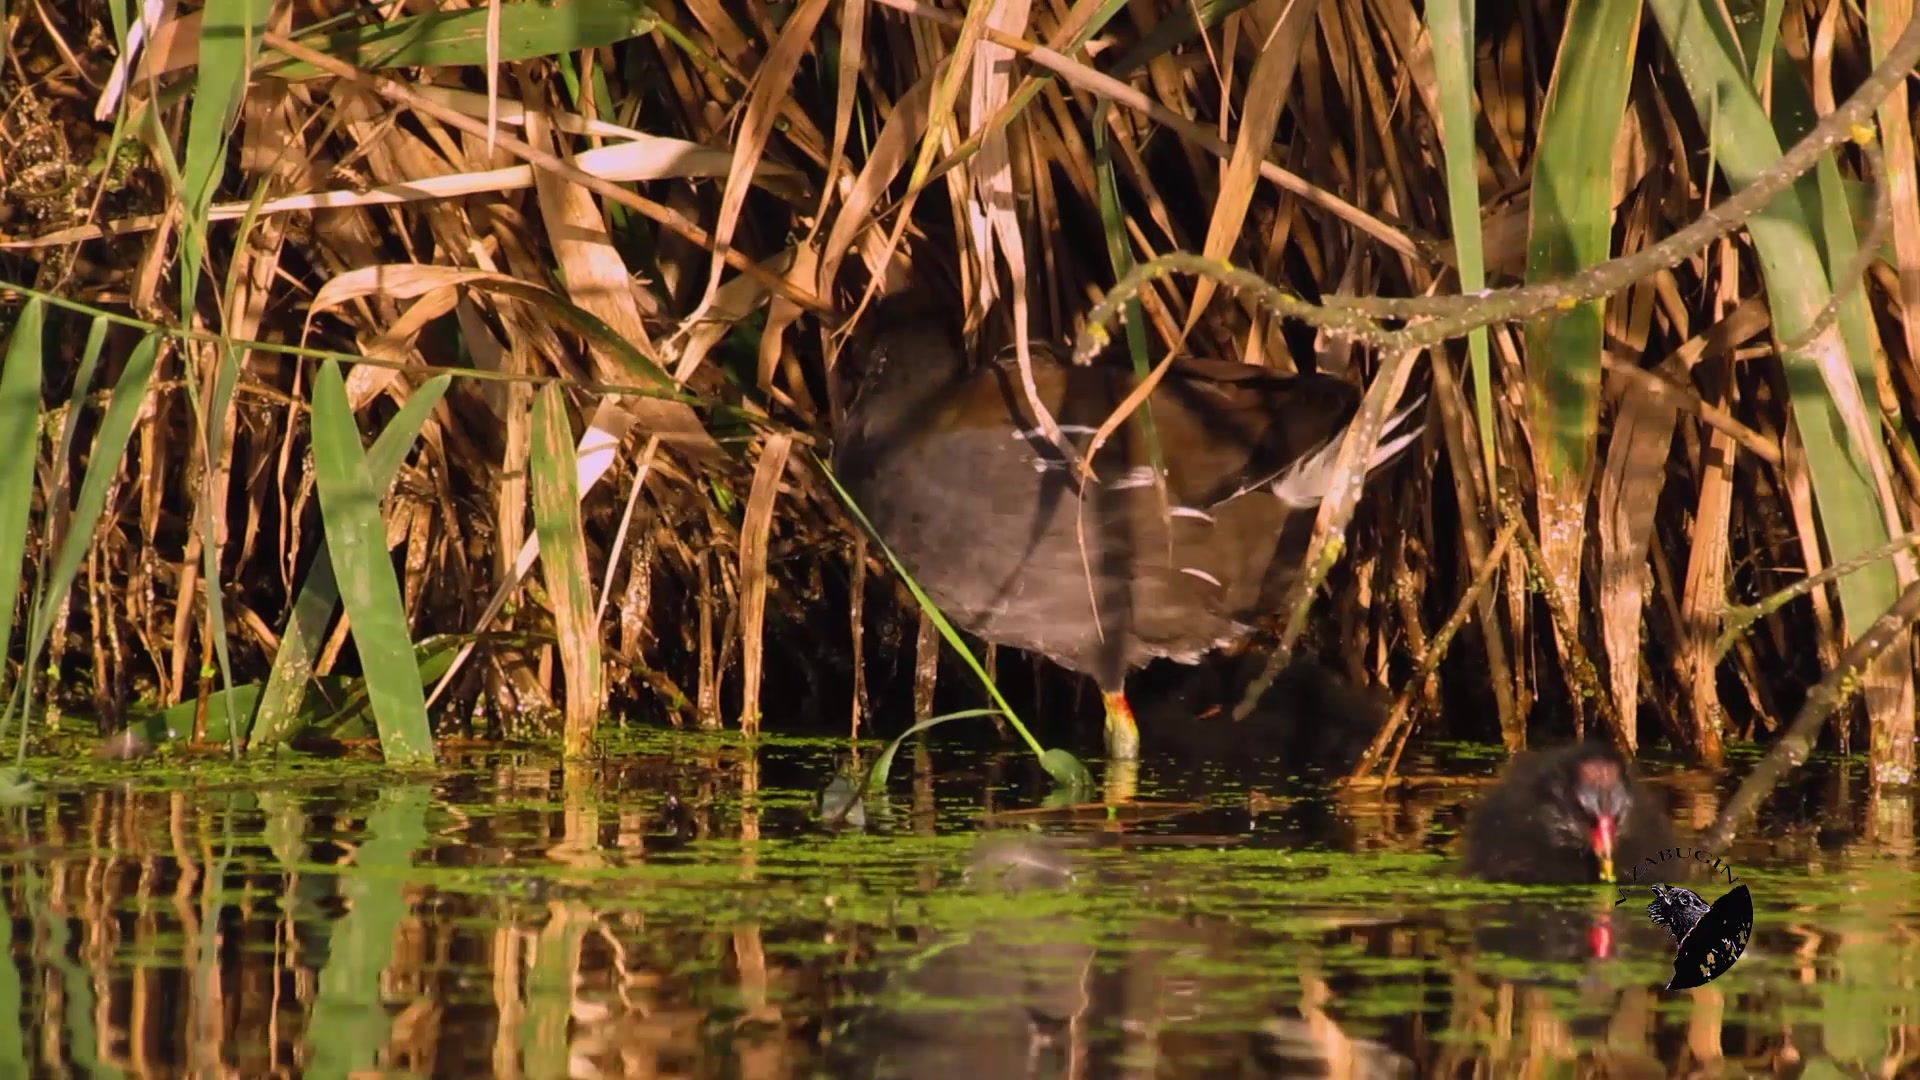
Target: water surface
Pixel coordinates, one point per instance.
(677, 910)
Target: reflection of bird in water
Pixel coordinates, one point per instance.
(1039, 984)
(1676, 910)
(992, 1001)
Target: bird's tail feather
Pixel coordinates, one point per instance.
(1307, 481)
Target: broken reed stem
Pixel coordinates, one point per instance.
(756, 529)
(926, 665)
(1430, 659)
(1823, 701)
(706, 710)
(856, 613)
(1581, 673)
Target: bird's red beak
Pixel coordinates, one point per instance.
(1603, 832)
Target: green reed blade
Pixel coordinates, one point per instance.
(1571, 225)
(356, 544)
(553, 476)
(282, 702)
(1450, 25)
(19, 435)
(103, 464)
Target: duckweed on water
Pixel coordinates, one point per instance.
(687, 907)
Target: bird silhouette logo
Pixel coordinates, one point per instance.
(1708, 938)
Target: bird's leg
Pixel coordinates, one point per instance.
(1123, 736)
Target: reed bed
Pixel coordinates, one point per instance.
(411, 370)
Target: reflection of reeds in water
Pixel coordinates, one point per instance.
(529, 922)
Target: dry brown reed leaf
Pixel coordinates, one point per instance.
(486, 352)
(1282, 29)
(902, 129)
(398, 281)
(649, 155)
(1167, 82)
(1630, 486)
(1820, 55)
(1092, 82)
(268, 148)
(493, 76)
(597, 282)
(172, 43)
(754, 529)
(989, 210)
(1901, 174)
(1371, 105)
(1560, 500)
(1684, 398)
(782, 314)
(1411, 50)
(1704, 595)
(594, 456)
(706, 697)
(1520, 626)
(643, 158)
(809, 266)
(395, 344)
(596, 277)
(1034, 190)
(773, 81)
(946, 68)
(851, 54)
(732, 304)
(395, 91)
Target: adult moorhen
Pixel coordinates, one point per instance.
(1565, 816)
(955, 475)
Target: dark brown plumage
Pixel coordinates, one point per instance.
(951, 468)
(1566, 815)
